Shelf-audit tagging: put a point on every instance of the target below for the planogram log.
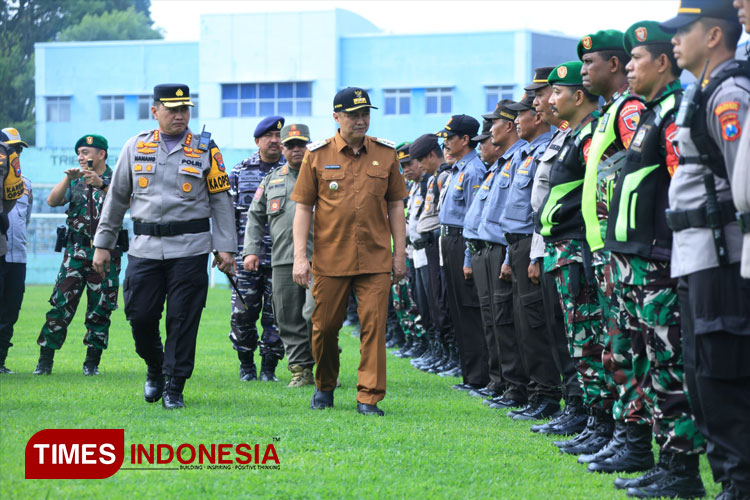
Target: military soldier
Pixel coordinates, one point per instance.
(353, 181)
(84, 190)
(11, 291)
(272, 208)
(174, 183)
(466, 177)
(707, 240)
(426, 151)
(561, 225)
(255, 286)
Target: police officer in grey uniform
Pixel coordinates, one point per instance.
(714, 299)
(466, 176)
(175, 184)
(741, 176)
(272, 206)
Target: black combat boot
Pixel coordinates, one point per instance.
(444, 360)
(682, 480)
(634, 456)
(583, 435)
(171, 398)
(730, 490)
(405, 348)
(46, 359)
(453, 365)
(651, 476)
(3, 355)
(154, 386)
(418, 347)
(268, 364)
(572, 420)
(397, 337)
(91, 363)
(603, 429)
(247, 366)
(619, 436)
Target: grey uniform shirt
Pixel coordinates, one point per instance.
(272, 203)
(693, 248)
(415, 207)
(19, 219)
(741, 190)
(161, 187)
(428, 219)
(540, 188)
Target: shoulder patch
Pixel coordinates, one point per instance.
(317, 145)
(217, 178)
(730, 127)
(385, 142)
(727, 106)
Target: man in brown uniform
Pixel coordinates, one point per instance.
(353, 181)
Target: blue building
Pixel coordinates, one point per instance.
(247, 66)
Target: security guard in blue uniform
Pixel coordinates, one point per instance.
(466, 177)
(255, 286)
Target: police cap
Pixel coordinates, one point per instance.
(11, 136)
(485, 133)
(92, 140)
(173, 95)
(526, 103)
(540, 78)
(459, 125)
(269, 124)
(502, 111)
(692, 10)
(422, 146)
(351, 99)
(402, 152)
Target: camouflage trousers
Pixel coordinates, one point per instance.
(256, 289)
(651, 388)
(583, 317)
(605, 275)
(76, 274)
(406, 306)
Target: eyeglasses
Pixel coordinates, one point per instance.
(295, 144)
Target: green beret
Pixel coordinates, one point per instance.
(644, 33)
(568, 73)
(601, 40)
(93, 140)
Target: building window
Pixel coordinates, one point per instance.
(144, 106)
(265, 99)
(112, 107)
(58, 109)
(497, 93)
(397, 101)
(438, 100)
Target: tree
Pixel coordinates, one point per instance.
(114, 25)
(26, 22)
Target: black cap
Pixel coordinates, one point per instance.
(692, 10)
(459, 125)
(502, 111)
(422, 146)
(526, 103)
(173, 95)
(540, 78)
(351, 99)
(485, 133)
(402, 153)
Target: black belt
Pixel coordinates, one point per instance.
(419, 244)
(744, 219)
(677, 220)
(172, 228)
(475, 246)
(513, 238)
(451, 231)
(80, 239)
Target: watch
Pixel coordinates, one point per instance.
(105, 182)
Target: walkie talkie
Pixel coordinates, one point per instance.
(204, 140)
(691, 101)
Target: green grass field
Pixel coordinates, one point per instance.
(433, 442)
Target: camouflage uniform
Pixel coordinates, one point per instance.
(583, 316)
(77, 273)
(406, 306)
(255, 286)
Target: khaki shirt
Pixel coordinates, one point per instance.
(272, 204)
(350, 192)
(161, 187)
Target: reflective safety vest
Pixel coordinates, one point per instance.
(637, 223)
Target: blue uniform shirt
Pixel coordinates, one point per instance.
(474, 214)
(516, 216)
(466, 176)
(490, 229)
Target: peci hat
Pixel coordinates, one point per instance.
(173, 95)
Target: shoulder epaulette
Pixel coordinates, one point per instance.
(317, 145)
(385, 142)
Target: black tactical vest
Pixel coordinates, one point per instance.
(637, 222)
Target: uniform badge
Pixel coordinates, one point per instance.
(143, 181)
(333, 186)
(187, 187)
(179, 93)
(89, 140)
(562, 71)
(630, 117)
(730, 127)
(219, 161)
(258, 193)
(488, 181)
(638, 141)
(528, 161)
(586, 42)
(137, 167)
(16, 164)
(274, 206)
(278, 125)
(641, 34)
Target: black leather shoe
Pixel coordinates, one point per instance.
(527, 407)
(365, 409)
(321, 400)
(171, 398)
(464, 387)
(504, 403)
(540, 411)
(153, 388)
